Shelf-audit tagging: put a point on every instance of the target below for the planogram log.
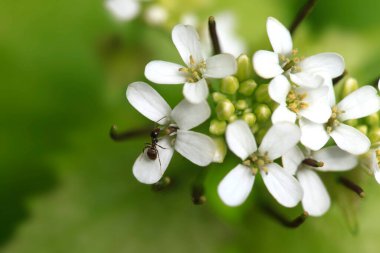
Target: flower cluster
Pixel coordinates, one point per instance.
(279, 130)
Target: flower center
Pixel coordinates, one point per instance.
(290, 63)
(333, 122)
(194, 71)
(257, 162)
(295, 101)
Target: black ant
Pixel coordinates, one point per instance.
(152, 152)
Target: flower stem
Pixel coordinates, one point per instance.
(295, 223)
(301, 15)
(214, 35)
(352, 186)
(121, 136)
(375, 82)
(198, 191)
(337, 79)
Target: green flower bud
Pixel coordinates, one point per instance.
(350, 85)
(224, 109)
(363, 129)
(247, 87)
(373, 119)
(255, 128)
(245, 69)
(232, 118)
(250, 118)
(241, 104)
(217, 127)
(352, 122)
(221, 150)
(262, 95)
(374, 135)
(262, 113)
(217, 96)
(259, 136)
(230, 85)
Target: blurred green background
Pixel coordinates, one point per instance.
(66, 187)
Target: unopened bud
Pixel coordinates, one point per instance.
(162, 184)
(363, 129)
(217, 127)
(374, 135)
(262, 113)
(352, 122)
(250, 118)
(232, 118)
(245, 69)
(260, 134)
(247, 87)
(224, 109)
(261, 94)
(350, 85)
(255, 128)
(241, 104)
(373, 119)
(230, 85)
(217, 96)
(313, 163)
(220, 150)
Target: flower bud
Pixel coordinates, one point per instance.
(244, 68)
(374, 135)
(224, 109)
(260, 134)
(241, 104)
(262, 113)
(247, 87)
(217, 127)
(352, 122)
(363, 129)
(373, 119)
(350, 85)
(232, 118)
(261, 94)
(221, 150)
(250, 118)
(255, 128)
(217, 96)
(230, 85)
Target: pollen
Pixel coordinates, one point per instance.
(333, 122)
(194, 72)
(257, 162)
(295, 101)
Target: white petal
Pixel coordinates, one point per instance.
(282, 185)
(163, 72)
(279, 37)
(350, 139)
(197, 148)
(316, 200)
(283, 114)
(306, 79)
(279, 139)
(359, 103)
(378, 85)
(318, 109)
(292, 159)
(240, 139)
(186, 40)
(236, 185)
(375, 166)
(266, 64)
(220, 66)
(335, 159)
(313, 135)
(330, 63)
(148, 102)
(123, 10)
(187, 115)
(149, 171)
(196, 92)
(279, 88)
(327, 82)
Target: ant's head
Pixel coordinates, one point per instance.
(155, 132)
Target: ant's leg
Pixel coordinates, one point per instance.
(160, 146)
(159, 160)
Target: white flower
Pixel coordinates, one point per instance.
(197, 68)
(358, 104)
(237, 184)
(196, 147)
(375, 163)
(311, 104)
(156, 14)
(123, 10)
(316, 200)
(311, 72)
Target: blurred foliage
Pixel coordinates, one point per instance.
(66, 187)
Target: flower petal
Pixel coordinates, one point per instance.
(197, 148)
(279, 139)
(148, 102)
(350, 139)
(220, 66)
(196, 92)
(279, 88)
(240, 139)
(283, 114)
(149, 171)
(328, 82)
(279, 37)
(266, 64)
(360, 103)
(315, 200)
(318, 109)
(236, 185)
(186, 40)
(330, 63)
(123, 10)
(335, 159)
(187, 115)
(375, 166)
(292, 159)
(313, 135)
(282, 185)
(308, 80)
(163, 72)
